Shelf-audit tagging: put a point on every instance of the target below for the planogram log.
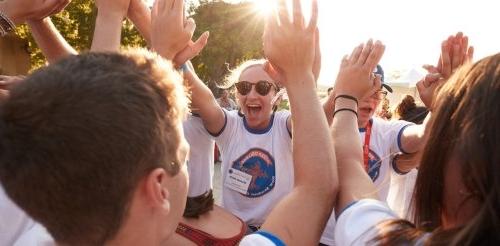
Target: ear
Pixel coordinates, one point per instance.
(156, 189)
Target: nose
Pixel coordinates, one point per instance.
(253, 92)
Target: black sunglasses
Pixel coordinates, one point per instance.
(262, 87)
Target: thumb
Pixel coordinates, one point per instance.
(274, 72)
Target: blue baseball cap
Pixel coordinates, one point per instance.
(378, 70)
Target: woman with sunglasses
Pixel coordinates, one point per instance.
(257, 168)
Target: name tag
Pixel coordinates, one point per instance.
(238, 181)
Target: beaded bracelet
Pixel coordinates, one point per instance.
(345, 109)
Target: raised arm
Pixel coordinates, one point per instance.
(108, 26)
(49, 40)
(300, 217)
(355, 79)
(140, 15)
(455, 51)
(171, 38)
(19, 11)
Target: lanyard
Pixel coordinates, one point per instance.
(366, 146)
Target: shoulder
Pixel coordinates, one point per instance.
(356, 224)
(261, 238)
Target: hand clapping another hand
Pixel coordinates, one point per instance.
(455, 51)
(172, 33)
(21, 10)
(355, 77)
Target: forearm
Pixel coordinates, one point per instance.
(203, 100)
(414, 136)
(355, 183)
(10, 12)
(328, 107)
(141, 17)
(307, 113)
(107, 33)
(49, 40)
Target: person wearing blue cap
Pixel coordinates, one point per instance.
(382, 140)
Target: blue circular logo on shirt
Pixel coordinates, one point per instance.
(259, 164)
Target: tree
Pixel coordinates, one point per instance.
(235, 36)
(76, 24)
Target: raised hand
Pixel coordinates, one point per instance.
(21, 10)
(140, 15)
(289, 44)
(6, 82)
(355, 77)
(455, 51)
(172, 33)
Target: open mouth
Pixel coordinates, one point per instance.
(253, 109)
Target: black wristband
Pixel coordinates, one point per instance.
(346, 97)
(345, 109)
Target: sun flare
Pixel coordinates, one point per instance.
(263, 7)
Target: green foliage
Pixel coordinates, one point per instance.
(235, 36)
(76, 24)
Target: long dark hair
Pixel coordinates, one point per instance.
(465, 124)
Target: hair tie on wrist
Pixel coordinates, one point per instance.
(345, 109)
(347, 97)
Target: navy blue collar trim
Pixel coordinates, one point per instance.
(364, 129)
(258, 131)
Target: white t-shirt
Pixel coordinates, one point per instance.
(257, 166)
(401, 192)
(17, 228)
(261, 238)
(385, 142)
(201, 156)
(356, 224)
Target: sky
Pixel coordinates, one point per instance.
(411, 30)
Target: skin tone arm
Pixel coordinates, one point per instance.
(354, 79)
(50, 41)
(108, 26)
(315, 185)
(168, 22)
(140, 15)
(21, 10)
(455, 51)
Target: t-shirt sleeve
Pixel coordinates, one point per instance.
(227, 132)
(356, 224)
(392, 131)
(261, 238)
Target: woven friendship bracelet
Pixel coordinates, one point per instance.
(346, 97)
(345, 109)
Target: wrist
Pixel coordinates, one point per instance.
(299, 81)
(342, 102)
(9, 12)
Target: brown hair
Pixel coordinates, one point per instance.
(78, 136)
(408, 110)
(465, 123)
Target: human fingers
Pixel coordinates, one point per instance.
(298, 17)
(313, 22)
(375, 55)
(365, 52)
(283, 13)
(353, 58)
